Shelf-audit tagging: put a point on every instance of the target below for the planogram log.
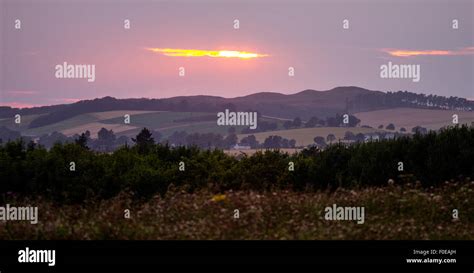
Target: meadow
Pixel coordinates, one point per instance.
(202, 122)
(393, 212)
(411, 117)
(165, 121)
(191, 193)
(305, 136)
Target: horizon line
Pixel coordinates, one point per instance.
(31, 106)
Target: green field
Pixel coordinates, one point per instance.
(162, 121)
(25, 122)
(156, 119)
(411, 117)
(168, 122)
(74, 124)
(198, 122)
(305, 136)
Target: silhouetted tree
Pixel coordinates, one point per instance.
(330, 138)
(312, 122)
(297, 122)
(83, 139)
(349, 135)
(144, 141)
(419, 129)
(105, 140)
(55, 137)
(249, 141)
(319, 140)
(390, 127)
(359, 137)
(230, 140)
(272, 142)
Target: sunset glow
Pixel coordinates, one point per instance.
(171, 52)
(410, 53)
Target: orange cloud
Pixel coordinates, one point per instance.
(206, 53)
(411, 53)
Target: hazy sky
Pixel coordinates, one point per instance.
(306, 35)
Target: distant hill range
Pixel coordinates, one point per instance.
(304, 104)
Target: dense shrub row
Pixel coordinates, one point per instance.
(145, 170)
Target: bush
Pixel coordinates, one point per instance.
(431, 158)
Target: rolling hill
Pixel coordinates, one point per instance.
(411, 117)
(304, 104)
(198, 113)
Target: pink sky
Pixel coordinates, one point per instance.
(306, 35)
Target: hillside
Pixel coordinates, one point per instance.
(165, 122)
(305, 136)
(411, 117)
(197, 114)
(304, 104)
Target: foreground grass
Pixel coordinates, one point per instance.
(391, 212)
